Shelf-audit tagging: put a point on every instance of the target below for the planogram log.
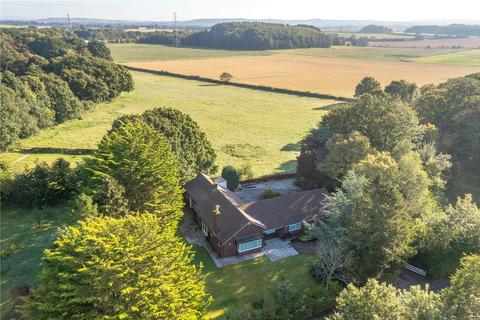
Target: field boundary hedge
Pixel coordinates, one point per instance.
(243, 85)
(48, 150)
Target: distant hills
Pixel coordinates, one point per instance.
(450, 30)
(207, 23)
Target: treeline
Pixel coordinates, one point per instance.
(373, 28)
(230, 36)
(261, 36)
(49, 76)
(406, 162)
(464, 30)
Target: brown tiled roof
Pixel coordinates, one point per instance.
(207, 195)
(267, 214)
(288, 209)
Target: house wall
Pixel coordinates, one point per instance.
(230, 248)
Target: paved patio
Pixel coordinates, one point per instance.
(274, 249)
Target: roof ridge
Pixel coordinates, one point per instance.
(243, 205)
(237, 205)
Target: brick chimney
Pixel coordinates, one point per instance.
(217, 214)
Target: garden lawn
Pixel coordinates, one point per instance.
(19, 227)
(237, 286)
(244, 126)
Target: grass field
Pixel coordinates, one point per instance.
(239, 285)
(471, 57)
(262, 125)
(19, 228)
(125, 52)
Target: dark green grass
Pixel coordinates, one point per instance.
(20, 229)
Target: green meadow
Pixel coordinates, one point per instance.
(126, 52)
(470, 57)
(245, 126)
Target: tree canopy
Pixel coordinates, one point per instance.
(49, 77)
(373, 28)
(118, 268)
(140, 160)
(454, 108)
(188, 142)
(373, 122)
(461, 300)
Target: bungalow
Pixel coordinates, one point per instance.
(233, 227)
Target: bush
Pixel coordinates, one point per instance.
(269, 193)
(226, 77)
(230, 174)
(40, 186)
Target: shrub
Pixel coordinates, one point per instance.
(230, 174)
(9, 250)
(269, 193)
(226, 77)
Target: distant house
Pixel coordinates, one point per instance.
(234, 228)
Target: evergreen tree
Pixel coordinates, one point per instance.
(189, 144)
(118, 268)
(140, 160)
(367, 85)
(111, 198)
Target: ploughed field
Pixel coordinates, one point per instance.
(334, 71)
(244, 126)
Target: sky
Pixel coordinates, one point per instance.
(162, 10)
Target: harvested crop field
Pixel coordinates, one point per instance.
(326, 75)
(471, 43)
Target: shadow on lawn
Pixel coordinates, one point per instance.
(329, 107)
(286, 167)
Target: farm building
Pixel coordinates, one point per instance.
(235, 228)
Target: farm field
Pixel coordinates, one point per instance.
(469, 43)
(372, 35)
(244, 126)
(125, 52)
(471, 57)
(324, 75)
(128, 52)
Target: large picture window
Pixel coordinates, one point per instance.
(246, 246)
(294, 227)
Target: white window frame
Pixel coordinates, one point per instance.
(269, 232)
(294, 227)
(190, 202)
(205, 228)
(249, 245)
